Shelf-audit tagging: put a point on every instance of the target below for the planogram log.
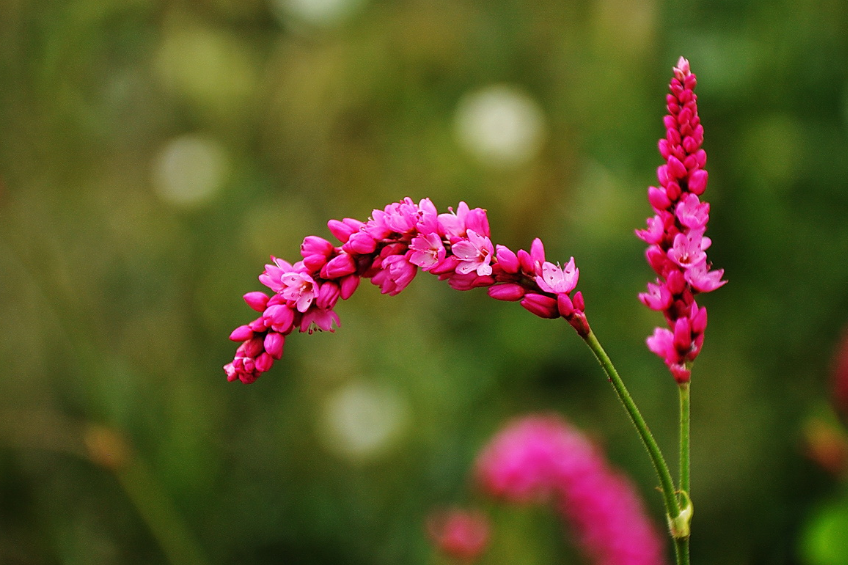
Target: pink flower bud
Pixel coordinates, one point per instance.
(677, 169)
(264, 362)
(657, 198)
(256, 300)
(340, 230)
(507, 259)
(698, 181)
(339, 266)
(241, 333)
(510, 292)
(348, 286)
(565, 305)
(540, 305)
(274, 345)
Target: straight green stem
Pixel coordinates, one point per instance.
(683, 389)
(671, 503)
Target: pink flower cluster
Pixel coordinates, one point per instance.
(389, 249)
(544, 459)
(675, 234)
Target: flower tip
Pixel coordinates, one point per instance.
(682, 68)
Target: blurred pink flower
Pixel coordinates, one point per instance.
(542, 458)
(460, 534)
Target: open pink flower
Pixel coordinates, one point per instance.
(558, 279)
(474, 254)
(427, 250)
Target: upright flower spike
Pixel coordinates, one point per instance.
(675, 234)
(389, 249)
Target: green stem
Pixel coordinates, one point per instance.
(684, 436)
(672, 505)
(682, 544)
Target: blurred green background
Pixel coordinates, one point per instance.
(153, 154)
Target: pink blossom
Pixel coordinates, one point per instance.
(702, 279)
(317, 319)
(558, 280)
(299, 288)
(428, 250)
(692, 213)
(688, 249)
(474, 254)
(544, 459)
(657, 298)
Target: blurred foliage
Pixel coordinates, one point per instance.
(153, 154)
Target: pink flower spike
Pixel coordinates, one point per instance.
(256, 300)
(510, 292)
(241, 333)
(474, 254)
(556, 279)
(540, 305)
(427, 251)
(507, 259)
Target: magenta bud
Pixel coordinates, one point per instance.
(252, 348)
(657, 259)
(662, 174)
(540, 305)
(680, 373)
(445, 266)
(328, 295)
(689, 144)
(537, 252)
(673, 136)
(314, 262)
(579, 304)
(699, 320)
(676, 169)
(340, 230)
(698, 181)
(669, 122)
(672, 190)
(241, 333)
(274, 345)
(477, 221)
(510, 292)
(675, 282)
(263, 363)
(664, 148)
(564, 305)
(360, 243)
(280, 318)
(339, 266)
(256, 300)
(314, 245)
(507, 259)
(258, 325)
(685, 115)
(348, 286)
(657, 198)
(526, 262)
(682, 335)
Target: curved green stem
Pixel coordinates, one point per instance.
(672, 504)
